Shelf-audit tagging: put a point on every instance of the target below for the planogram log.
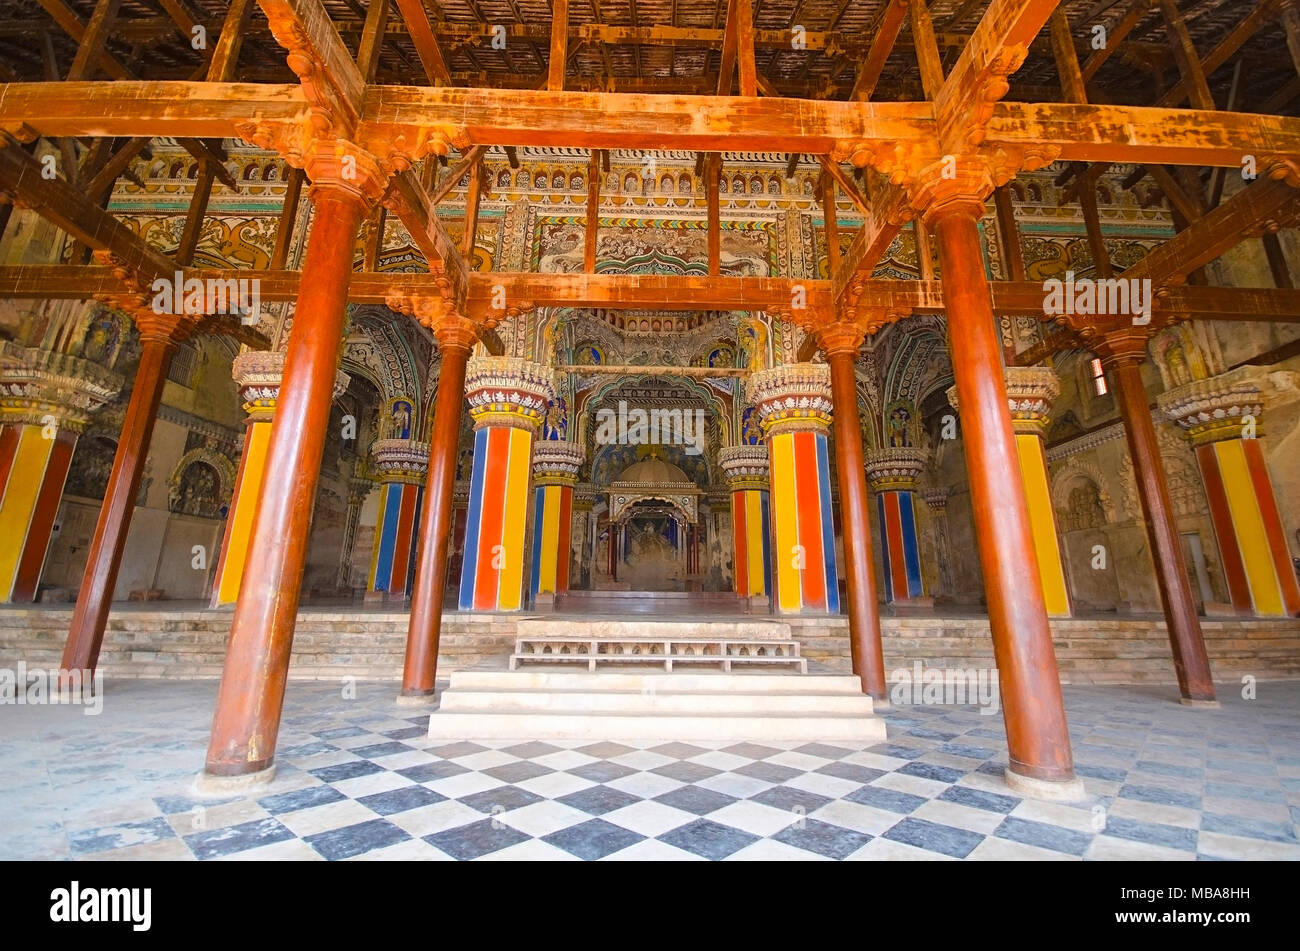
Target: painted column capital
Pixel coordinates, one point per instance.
(508, 391)
(746, 467)
(897, 468)
(936, 499)
(792, 397)
(36, 384)
(584, 497)
(1222, 407)
(400, 460)
(556, 462)
(257, 373)
(1030, 394)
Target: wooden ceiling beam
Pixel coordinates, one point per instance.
(559, 44)
(69, 209)
(410, 202)
(884, 37)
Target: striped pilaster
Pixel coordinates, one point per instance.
(507, 397)
(400, 466)
(747, 472)
(893, 475)
(46, 400)
(1221, 417)
(794, 404)
(1030, 393)
(555, 472)
(258, 375)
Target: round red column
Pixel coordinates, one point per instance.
(247, 719)
(420, 670)
(1038, 740)
(95, 596)
(1191, 663)
(865, 645)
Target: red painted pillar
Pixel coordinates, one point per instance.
(455, 339)
(247, 719)
(1123, 356)
(95, 596)
(840, 345)
(1038, 740)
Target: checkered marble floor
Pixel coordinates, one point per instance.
(357, 779)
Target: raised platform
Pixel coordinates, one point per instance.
(496, 704)
(185, 640)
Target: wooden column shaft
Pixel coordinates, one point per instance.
(1191, 662)
(95, 596)
(865, 644)
(420, 668)
(247, 719)
(1038, 740)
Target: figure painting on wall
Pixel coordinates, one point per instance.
(401, 419)
(897, 426)
(101, 340)
(556, 424)
(590, 356)
(751, 433)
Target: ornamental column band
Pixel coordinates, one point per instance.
(893, 473)
(555, 473)
(400, 467)
(1221, 416)
(46, 401)
(1030, 392)
(794, 406)
(246, 724)
(507, 397)
(258, 374)
(1038, 739)
(747, 472)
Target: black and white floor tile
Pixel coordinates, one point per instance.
(357, 779)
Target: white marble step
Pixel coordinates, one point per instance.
(532, 704)
(575, 725)
(721, 703)
(768, 682)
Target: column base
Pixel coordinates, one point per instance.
(1200, 704)
(544, 601)
(207, 785)
(416, 699)
(1070, 790)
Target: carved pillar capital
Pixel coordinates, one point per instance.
(37, 386)
(895, 468)
(1227, 406)
(508, 391)
(792, 397)
(745, 467)
(399, 460)
(1030, 393)
(556, 462)
(841, 337)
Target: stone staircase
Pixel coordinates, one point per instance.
(535, 704)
